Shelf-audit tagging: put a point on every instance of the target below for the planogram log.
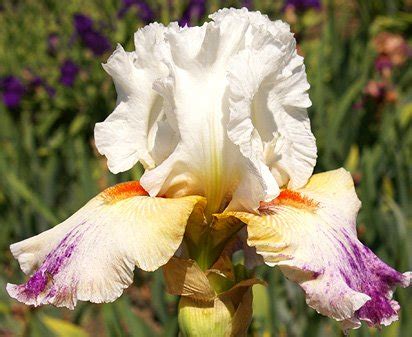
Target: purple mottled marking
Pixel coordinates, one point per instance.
(369, 275)
(52, 292)
(36, 284)
(51, 266)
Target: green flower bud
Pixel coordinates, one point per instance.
(205, 319)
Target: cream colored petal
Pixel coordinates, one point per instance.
(310, 233)
(91, 256)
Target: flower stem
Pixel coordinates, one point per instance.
(206, 254)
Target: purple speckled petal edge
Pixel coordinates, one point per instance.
(40, 288)
(310, 233)
(371, 276)
(352, 285)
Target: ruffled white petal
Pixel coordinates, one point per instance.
(128, 134)
(310, 233)
(217, 110)
(91, 256)
(205, 161)
(268, 97)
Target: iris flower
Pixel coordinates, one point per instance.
(12, 91)
(217, 116)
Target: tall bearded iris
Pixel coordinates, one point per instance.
(217, 116)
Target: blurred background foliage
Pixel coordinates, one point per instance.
(53, 89)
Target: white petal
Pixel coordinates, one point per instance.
(310, 233)
(91, 256)
(205, 161)
(256, 184)
(164, 141)
(267, 101)
(216, 110)
(126, 136)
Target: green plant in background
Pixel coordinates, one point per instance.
(358, 63)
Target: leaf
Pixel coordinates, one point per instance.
(63, 328)
(24, 192)
(135, 324)
(4, 308)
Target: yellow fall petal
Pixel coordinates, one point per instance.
(310, 233)
(91, 256)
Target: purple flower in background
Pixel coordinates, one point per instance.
(303, 5)
(194, 11)
(68, 73)
(82, 23)
(248, 4)
(144, 10)
(93, 39)
(97, 42)
(12, 91)
(36, 82)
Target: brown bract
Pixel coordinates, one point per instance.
(210, 299)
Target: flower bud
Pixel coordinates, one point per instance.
(212, 303)
(199, 318)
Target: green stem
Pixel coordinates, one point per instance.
(206, 247)
(206, 253)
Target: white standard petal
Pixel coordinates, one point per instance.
(226, 118)
(268, 101)
(206, 161)
(91, 256)
(310, 233)
(127, 135)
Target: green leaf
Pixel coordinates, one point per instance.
(63, 328)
